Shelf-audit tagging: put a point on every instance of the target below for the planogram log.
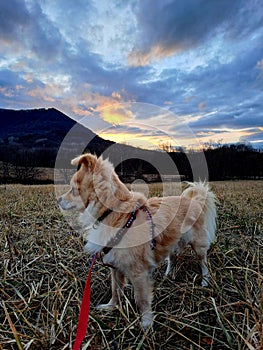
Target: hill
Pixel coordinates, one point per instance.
(35, 136)
(40, 122)
(47, 137)
(30, 139)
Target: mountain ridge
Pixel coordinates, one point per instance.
(42, 135)
(37, 129)
(48, 138)
(33, 120)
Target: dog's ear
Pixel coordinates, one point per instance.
(88, 160)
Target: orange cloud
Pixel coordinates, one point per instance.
(6, 92)
(81, 111)
(43, 93)
(28, 78)
(114, 113)
(109, 108)
(139, 58)
(116, 95)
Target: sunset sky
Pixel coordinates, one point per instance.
(139, 71)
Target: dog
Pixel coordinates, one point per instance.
(134, 233)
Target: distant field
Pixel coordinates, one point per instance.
(43, 270)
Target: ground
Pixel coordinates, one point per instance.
(44, 268)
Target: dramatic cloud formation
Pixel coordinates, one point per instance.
(168, 27)
(201, 61)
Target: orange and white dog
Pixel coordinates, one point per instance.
(136, 233)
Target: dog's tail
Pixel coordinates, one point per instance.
(201, 192)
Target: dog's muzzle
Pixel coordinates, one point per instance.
(64, 204)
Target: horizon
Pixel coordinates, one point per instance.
(193, 76)
(166, 145)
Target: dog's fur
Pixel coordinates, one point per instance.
(179, 220)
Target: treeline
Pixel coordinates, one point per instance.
(224, 162)
(22, 165)
(237, 161)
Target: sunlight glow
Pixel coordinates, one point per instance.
(137, 140)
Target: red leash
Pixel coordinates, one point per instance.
(84, 310)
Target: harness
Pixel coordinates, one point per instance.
(121, 232)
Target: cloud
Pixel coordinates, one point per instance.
(114, 113)
(260, 64)
(14, 18)
(24, 26)
(201, 60)
(168, 27)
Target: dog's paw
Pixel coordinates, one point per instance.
(107, 307)
(167, 271)
(205, 282)
(168, 267)
(147, 320)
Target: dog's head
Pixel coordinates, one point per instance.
(95, 181)
(81, 184)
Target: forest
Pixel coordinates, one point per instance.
(225, 162)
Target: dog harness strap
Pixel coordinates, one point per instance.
(149, 216)
(116, 240)
(104, 215)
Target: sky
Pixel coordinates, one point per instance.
(142, 72)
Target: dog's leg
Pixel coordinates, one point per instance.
(205, 272)
(168, 267)
(143, 295)
(172, 257)
(202, 255)
(171, 260)
(117, 283)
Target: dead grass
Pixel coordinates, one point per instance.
(43, 271)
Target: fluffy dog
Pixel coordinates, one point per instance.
(136, 233)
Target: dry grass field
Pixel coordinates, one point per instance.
(43, 272)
